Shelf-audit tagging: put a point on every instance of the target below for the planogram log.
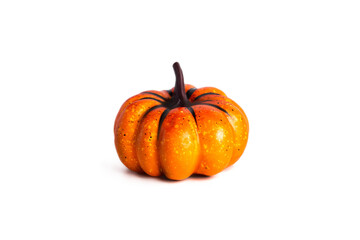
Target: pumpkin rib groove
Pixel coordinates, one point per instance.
(215, 106)
(190, 92)
(191, 110)
(223, 99)
(151, 109)
(205, 94)
(169, 92)
(162, 118)
(155, 94)
(152, 99)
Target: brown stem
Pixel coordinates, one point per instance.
(180, 97)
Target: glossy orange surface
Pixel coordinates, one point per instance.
(181, 131)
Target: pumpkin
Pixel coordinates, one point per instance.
(180, 132)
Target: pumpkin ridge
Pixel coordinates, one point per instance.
(203, 167)
(124, 149)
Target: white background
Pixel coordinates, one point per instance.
(67, 66)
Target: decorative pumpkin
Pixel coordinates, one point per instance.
(181, 131)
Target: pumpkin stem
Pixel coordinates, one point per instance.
(179, 91)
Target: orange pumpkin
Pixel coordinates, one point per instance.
(181, 131)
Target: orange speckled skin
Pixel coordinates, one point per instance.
(204, 135)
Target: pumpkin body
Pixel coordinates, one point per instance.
(181, 131)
